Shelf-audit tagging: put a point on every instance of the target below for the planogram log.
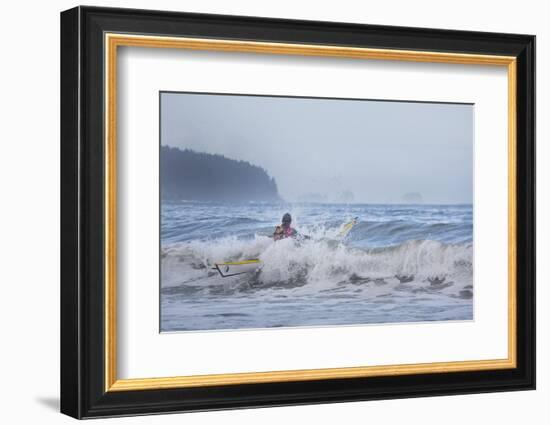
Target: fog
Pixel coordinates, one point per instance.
(334, 150)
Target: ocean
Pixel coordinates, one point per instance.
(399, 263)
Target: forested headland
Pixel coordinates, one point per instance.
(190, 175)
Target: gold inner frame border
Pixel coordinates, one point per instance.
(111, 43)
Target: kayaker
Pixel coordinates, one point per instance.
(284, 230)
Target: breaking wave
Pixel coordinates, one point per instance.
(319, 264)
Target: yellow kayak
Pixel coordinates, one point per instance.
(235, 268)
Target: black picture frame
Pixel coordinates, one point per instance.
(83, 392)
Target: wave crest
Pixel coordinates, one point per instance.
(318, 263)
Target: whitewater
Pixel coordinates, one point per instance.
(399, 263)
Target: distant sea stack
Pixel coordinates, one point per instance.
(412, 198)
(195, 176)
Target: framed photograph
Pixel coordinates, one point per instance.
(261, 212)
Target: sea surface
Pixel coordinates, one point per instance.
(399, 263)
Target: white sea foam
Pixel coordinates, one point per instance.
(322, 262)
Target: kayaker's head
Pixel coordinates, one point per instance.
(287, 219)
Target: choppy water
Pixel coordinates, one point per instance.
(400, 263)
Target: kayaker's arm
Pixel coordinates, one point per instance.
(278, 233)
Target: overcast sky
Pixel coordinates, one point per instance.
(379, 151)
